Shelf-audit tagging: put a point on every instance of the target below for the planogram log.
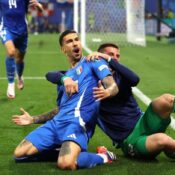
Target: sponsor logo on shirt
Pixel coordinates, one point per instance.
(103, 67)
(72, 136)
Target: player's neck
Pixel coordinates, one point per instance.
(74, 61)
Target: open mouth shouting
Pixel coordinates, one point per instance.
(77, 52)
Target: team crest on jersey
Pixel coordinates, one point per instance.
(79, 70)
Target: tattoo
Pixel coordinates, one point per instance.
(65, 149)
(110, 85)
(39, 119)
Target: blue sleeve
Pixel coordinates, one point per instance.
(132, 78)
(60, 94)
(55, 77)
(100, 68)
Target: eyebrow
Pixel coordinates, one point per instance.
(70, 40)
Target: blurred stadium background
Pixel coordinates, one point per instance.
(151, 57)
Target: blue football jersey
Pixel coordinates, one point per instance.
(87, 75)
(13, 15)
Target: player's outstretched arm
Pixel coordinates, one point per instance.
(36, 4)
(24, 119)
(40, 119)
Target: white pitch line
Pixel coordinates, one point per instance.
(146, 100)
(139, 94)
(27, 78)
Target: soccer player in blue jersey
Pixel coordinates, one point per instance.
(138, 134)
(74, 125)
(13, 34)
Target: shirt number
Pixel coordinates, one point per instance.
(12, 4)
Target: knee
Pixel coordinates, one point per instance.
(21, 152)
(167, 99)
(164, 100)
(18, 153)
(162, 140)
(163, 105)
(66, 164)
(19, 57)
(26, 149)
(11, 52)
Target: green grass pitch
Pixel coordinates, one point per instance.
(155, 64)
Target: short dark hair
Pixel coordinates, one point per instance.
(103, 46)
(66, 32)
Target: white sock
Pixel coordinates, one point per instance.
(104, 157)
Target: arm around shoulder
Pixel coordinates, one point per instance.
(128, 74)
(54, 77)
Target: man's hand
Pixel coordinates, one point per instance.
(97, 55)
(24, 119)
(36, 4)
(71, 86)
(100, 92)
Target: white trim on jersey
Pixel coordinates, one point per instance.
(77, 110)
(2, 31)
(1, 24)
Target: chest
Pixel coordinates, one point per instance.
(80, 73)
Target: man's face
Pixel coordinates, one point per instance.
(112, 52)
(72, 46)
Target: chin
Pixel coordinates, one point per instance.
(78, 57)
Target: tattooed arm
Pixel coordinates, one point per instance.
(27, 119)
(45, 117)
(106, 88)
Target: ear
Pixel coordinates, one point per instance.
(63, 49)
